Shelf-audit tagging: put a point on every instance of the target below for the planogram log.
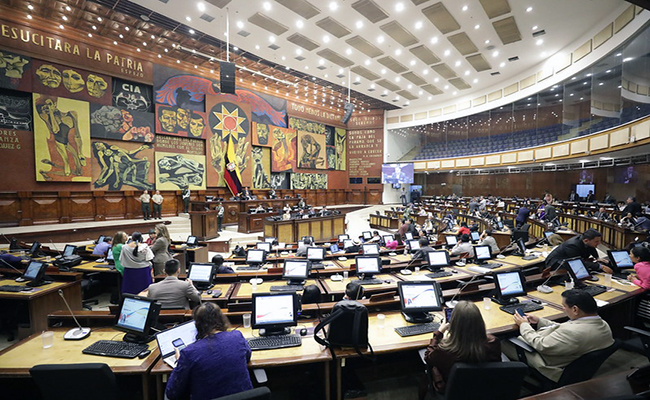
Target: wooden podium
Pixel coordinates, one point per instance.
(291, 230)
(204, 224)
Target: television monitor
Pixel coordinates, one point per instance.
(620, 259)
(475, 236)
(136, 316)
(295, 271)
(343, 237)
(408, 235)
(316, 255)
(110, 260)
(70, 249)
(273, 313)
(178, 337)
(201, 274)
(547, 234)
(348, 243)
(367, 235)
(255, 256)
(192, 241)
(413, 245)
(35, 249)
(418, 298)
(582, 190)
(521, 246)
(397, 173)
(482, 254)
(509, 285)
(451, 240)
(371, 249)
(34, 273)
(386, 238)
(519, 234)
(437, 259)
(577, 270)
(100, 239)
(368, 266)
(266, 246)
(270, 240)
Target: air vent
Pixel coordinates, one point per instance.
(299, 58)
(515, 58)
(490, 48)
(370, 10)
(340, 76)
(164, 1)
(539, 33)
(371, 89)
(356, 83)
(243, 33)
(274, 46)
(321, 67)
(207, 17)
(300, 7)
(218, 3)
(268, 24)
(495, 73)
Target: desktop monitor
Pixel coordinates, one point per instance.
(35, 249)
(136, 316)
(368, 265)
(34, 273)
(69, 250)
(343, 237)
(367, 235)
(408, 235)
(295, 271)
(100, 239)
(482, 254)
(316, 254)
(437, 259)
(255, 256)
(499, 225)
(387, 238)
(270, 239)
(414, 245)
(266, 246)
(475, 236)
(521, 246)
(520, 234)
(577, 270)
(192, 241)
(334, 248)
(451, 240)
(201, 274)
(347, 243)
(370, 249)
(418, 298)
(273, 313)
(620, 259)
(509, 285)
(548, 234)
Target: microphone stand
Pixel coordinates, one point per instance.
(74, 333)
(452, 303)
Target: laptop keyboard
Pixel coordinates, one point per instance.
(525, 307)
(114, 348)
(370, 281)
(274, 342)
(593, 290)
(287, 288)
(491, 265)
(439, 274)
(412, 330)
(248, 268)
(11, 288)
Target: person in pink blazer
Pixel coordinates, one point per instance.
(640, 256)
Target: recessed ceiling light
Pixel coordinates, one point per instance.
(383, 71)
(477, 26)
(543, 54)
(191, 31)
(166, 51)
(201, 6)
(340, 71)
(115, 43)
(399, 7)
(412, 62)
(430, 98)
(495, 54)
(333, 6)
(240, 24)
(420, 93)
(61, 26)
(94, 27)
(539, 42)
(326, 39)
(467, 73)
(503, 64)
(188, 19)
(418, 25)
(29, 6)
(608, 71)
(534, 27)
(90, 34)
(257, 47)
(529, 9)
(298, 51)
(434, 40)
(67, 8)
(380, 39)
(398, 52)
(284, 58)
(65, 18)
(601, 84)
(99, 19)
(272, 39)
(447, 52)
(29, 16)
(409, 86)
(367, 62)
(144, 44)
(475, 80)
(436, 80)
(348, 51)
(153, 37)
(619, 54)
(487, 41)
(446, 87)
(465, 8)
(359, 24)
(138, 50)
(267, 5)
(626, 59)
(457, 63)
(126, 28)
(425, 72)
(299, 24)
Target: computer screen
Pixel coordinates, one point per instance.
(109, 256)
(33, 270)
(510, 284)
(582, 190)
(367, 235)
(578, 268)
(548, 234)
(409, 235)
(451, 240)
(475, 236)
(499, 224)
(274, 310)
(35, 247)
(348, 243)
(315, 253)
(134, 313)
(368, 265)
(295, 269)
(521, 245)
(387, 238)
(438, 258)
(414, 244)
(192, 240)
(343, 237)
(177, 337)
(334, 247)
(270, 239)
(201, 273)
(255, 256)
(266, 246)
(69, 250)
(371, 248)
(482, 253)
(620, 258)
(420, 296)
(100, 239)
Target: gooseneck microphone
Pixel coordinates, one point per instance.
(452, 303)
(74, 333)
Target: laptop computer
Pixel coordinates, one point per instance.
(174, 338)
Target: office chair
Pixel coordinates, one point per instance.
(260, 393)
(91, 286)
(93, 379)
(581, 369)
(644, 335)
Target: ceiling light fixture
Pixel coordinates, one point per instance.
(333, 6)
(359, 24)
(201, 6)
(188, 18)
(529, 9)
(380, 39)
(399, 7)
(465, 8)
(267, 6)
(418, 25)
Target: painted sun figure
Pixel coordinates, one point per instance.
(229, 122)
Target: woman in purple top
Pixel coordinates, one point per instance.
(216, 364)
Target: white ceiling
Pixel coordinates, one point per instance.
(564, 21)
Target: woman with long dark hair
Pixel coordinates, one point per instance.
(216, 364)
(640, 256)
(135, 258)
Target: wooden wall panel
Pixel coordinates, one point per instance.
(10, 210)
(46, 208)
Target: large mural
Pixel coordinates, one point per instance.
(122, 165)
(308, 181)
(181, 122)
(108, 122)
(261, 157)
(312, 153)
(71, 82)
(132, 96)
(15, 110)
(180, 163)
(15, 71)
(283, 149)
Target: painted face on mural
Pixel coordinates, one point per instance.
(73, 81)
(49, 76)
(263, 133)
(168, 120)
(96, 85)
(196, 125)
(182, 118)
(13, 65)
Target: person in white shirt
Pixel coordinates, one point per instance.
(220, 212)
(464, 246)
(157, 205)
(145, 200)
(486, 239)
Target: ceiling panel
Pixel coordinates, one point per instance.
(463, 43)
(301, 7)
(303, 41)
(392, 64)
(399, 33)
(507, 30)
(332, 26)
(478, 62)
(370, 10)
(268, 24)
(364, 72)
(441, 18)
(432, 89)
(424, 54)
(459, 83)
(218, 3)
(495, 8)
(364, 46)
(444, 71)
(407, 95)
(415, 78)
(334, 57)
(388, 85)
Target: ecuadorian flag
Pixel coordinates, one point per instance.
(231, 174)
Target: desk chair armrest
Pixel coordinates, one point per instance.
(421, 354)
(637, 330)
(522, 348)
(93, 274)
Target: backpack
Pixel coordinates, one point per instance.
(348, 328)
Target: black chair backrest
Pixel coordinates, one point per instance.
(584, 367)
(260, 393)
(75, 381)
(489, 381)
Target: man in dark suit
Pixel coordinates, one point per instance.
(632, 207)
(583, 246)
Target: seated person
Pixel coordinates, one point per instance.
(467, 341)
(375, 237)
(260, 209)
(424, 249)
(583, 246)
(463, 230)
(464, 246)
(486, 239)
(202, 372)
(391, 244)
(302, 250)
(640, 256)
(101, 249)
(221, 269)
(557, 345)
(172, 292)
(353, 291)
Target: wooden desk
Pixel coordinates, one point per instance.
(249, 222)
(41, 301)
(244, 291)
(498, 322)
(320, 228)
(603, 387)
(336, 289)
(16, 360)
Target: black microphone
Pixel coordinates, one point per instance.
(55, 248)
(451, 303)
(74, 333)
(11, 266)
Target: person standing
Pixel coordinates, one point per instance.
(160, 248)
(403, 196)
(220, 211)
(157, 205)
(185, 195)
(135, 258)
(145, 199)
